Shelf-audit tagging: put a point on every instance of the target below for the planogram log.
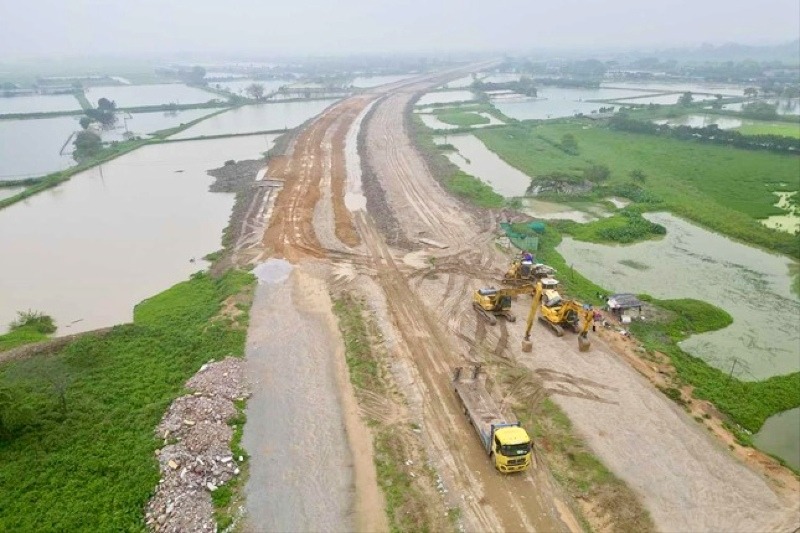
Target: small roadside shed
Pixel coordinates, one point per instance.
(624, 304)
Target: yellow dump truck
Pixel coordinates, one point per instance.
(506, 443)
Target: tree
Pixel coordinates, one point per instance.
(569, 144)
(751, 92)
(596, 173)
(638, 175)
(87, 145)
(685, 99)
(255, 90)
(104, 104)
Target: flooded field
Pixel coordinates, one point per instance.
(30, 148)
(8, 192)
(459, 83)
(446, 97)
(780, 436)
(143, 95)
(555, 211)
(750, 284)
(87, 251)
(664, 99)
(38, 103)
(701, 121)
(373, 81)
(434, 123)
(239, 85)
(260, 117)
(145, 124)
(475, 159)
(554, 102)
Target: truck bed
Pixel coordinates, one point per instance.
(481, 408)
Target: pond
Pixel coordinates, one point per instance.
(88, 250)
(38, 103)
(780, 436)
(259, 117)
(30, 148)
(147, 95)
(691, 262)
(474, 158)
(588, 212)
(446, 97)
(459, 83)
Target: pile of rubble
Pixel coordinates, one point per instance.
(196, 458)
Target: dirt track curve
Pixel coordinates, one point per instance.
(426, 315)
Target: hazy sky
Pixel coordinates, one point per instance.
(319, 27)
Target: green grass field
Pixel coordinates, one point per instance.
(725, 189)
(461, 118)
(771, 128)
(87, 463)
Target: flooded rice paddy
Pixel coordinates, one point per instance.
(32, 147)
(240, 85)
(146, 95)
(260, 117)
(554, 102)
(146, 124)
(88, 250)
(691, 262)
(38, 103)
(701, 121)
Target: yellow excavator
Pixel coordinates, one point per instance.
(526, 272)
(558, 314)
(491, 303)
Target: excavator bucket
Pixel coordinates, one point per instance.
(527, 346)
(584, 343)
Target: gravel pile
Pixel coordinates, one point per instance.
(197, 458)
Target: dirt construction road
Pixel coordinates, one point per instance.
(686, 481)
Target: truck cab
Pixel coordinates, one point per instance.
(511, 448)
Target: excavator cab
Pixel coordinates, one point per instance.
(558, 314)
(491, 303)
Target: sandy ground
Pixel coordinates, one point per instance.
(685, 478)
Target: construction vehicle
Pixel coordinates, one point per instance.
(527, 272)
(503, 439)
(491, 303)
(558, 314)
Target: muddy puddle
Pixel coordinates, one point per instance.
(790, 222)
(301, 474)
(691, 262)
(554, 211)
(354, 198)
(88, 250)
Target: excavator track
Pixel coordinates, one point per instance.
(489, 317)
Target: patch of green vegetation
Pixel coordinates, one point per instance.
(461, 118)
(578, 470)
(82, 456)
(30, 326)
(406, 507)
(771, 128)
(723, 188)
(625, 227)
(636, 265)
(362, 364)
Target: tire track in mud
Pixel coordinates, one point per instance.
(491, 501)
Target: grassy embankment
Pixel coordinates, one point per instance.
(770, 128)
(724, 189)
(112, 151)
(30, 327)
(407, 508)
(77, 443)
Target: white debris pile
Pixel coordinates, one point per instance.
(224, 379)
(197, 458)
